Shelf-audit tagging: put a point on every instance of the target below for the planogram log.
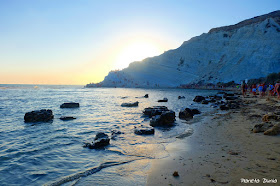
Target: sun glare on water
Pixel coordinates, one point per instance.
(136, 51)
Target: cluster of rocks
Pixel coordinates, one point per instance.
(223, 100)
(47, 115)
(267, 127)
(161, 116)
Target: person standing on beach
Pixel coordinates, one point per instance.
(277, 89)
(260, 89)
(271, 89)
(264, 89)
(244, 88)
(254, 89)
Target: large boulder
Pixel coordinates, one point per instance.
(167, 118)
(70, 105)
(199, 98)
(39, 116)
(144, 130)
(135, 104)
(100, 140)
(153, 111)
(186, 114)
(146, 96)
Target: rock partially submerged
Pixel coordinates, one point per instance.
(135, 104)
(146, 96)
(70, 105)
(167, 118)
(163, 100)
(144, 130)
(101, 140)
(39, 116)
(67, 118)
(156, 110)
(188, 113)
(199, 98)
(181, 97)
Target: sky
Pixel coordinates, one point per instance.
(79, 42)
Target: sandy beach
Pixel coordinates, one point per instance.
(223, 150)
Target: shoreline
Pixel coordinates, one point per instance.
(223, 150)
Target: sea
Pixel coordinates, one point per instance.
(52, 153)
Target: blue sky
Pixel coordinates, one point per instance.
(76, 42)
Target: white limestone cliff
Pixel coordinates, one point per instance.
(249, 49)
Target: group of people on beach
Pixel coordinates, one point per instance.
(262, 88)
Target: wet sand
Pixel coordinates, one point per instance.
(223, 150)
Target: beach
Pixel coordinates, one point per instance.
(223, 150)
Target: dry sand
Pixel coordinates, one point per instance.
(223, 150)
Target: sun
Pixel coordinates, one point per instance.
(136, 51)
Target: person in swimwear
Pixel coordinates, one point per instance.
(244, 88)
(277, 89)
(254, 89)
(271, 89)
(260, 88)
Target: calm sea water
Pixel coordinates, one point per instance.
(52, 152)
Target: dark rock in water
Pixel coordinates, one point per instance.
(167, 118)
(224, 107)
(218, 97)
(144, 130)
(199, 98)
(231, 98)
(115, 133)
(195, 111)
(186, 114)
(124, 97)
(70, 105)
(181, 97)
(273, 131)
(261, 127)
(204, 102)
(212, 100)
(156, 110)
(228, 94)
(146, 96)
(101, 140)
(135, 104)
(38, 116)
(163, 100)
(66, 118)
